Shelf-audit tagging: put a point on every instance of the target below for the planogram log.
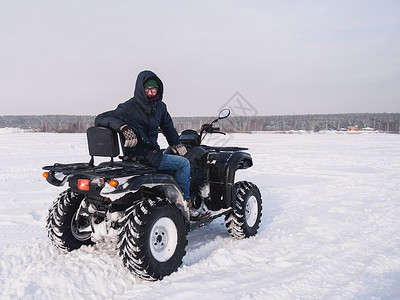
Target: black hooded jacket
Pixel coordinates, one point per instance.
(144, 117)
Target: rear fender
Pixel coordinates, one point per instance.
(160, 185)
(57, 179)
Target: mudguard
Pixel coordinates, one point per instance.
(223, 167)
(162, 185)
(238, 160)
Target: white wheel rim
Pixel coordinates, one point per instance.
(163, 239)
(251, 211)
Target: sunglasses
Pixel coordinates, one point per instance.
(150, 89)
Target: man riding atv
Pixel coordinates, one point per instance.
(134, 203)
(139, 119)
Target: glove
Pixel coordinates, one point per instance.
(179, 149)
(130, 136)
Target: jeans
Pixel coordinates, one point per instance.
(179, 167)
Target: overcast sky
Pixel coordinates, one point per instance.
(283, 57)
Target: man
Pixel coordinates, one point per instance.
(138, 119)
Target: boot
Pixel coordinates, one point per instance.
(197, 214)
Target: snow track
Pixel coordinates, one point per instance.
(330, 226)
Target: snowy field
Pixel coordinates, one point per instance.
(330, 227)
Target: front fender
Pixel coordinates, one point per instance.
(238, 160)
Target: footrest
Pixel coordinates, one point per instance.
(214, 215)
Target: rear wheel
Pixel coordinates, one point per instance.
(245, 218)
(63, 227)
(152, 238)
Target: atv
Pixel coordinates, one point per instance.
(142, 208)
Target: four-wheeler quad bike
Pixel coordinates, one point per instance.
(144, 208)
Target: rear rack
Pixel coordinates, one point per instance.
(103, 169)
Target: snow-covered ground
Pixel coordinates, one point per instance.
(330, 227)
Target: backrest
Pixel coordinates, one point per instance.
(102, 141)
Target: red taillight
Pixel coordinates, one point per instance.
(83, 184)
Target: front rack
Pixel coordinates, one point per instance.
(228, 149)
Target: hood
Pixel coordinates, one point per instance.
(139, 93)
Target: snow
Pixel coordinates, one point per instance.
(330, 226)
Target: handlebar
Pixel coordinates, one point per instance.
(208, 128)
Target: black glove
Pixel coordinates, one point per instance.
(130, 136)
(180, 149)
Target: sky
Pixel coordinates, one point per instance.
(265, 57)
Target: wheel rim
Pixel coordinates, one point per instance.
(163, 239)
(251, 211)
(79, 228)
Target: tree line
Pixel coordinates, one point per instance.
(48, 123)
(385, 122)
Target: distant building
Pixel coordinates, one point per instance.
(352, 128)
(368, 129)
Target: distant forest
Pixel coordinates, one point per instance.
(385, 122)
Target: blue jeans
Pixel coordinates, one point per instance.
(179, 167)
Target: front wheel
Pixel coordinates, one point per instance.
(152, 238)
(245, 218)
